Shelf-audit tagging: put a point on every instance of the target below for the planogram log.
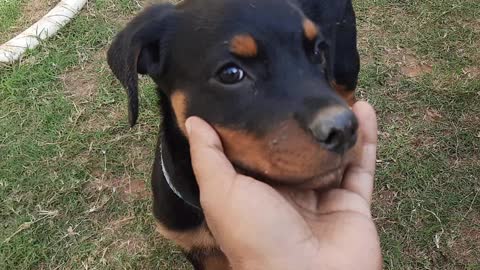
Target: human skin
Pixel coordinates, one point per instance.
(258, 226)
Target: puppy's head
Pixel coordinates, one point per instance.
(260, 73)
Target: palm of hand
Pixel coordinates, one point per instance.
(341, 227)
(262, 227)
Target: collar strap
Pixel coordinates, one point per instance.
(168, 179)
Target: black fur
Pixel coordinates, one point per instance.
(168, 208)
(141, 48)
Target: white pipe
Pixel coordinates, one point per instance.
(46, 27)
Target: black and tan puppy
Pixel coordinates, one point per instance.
(273, 77)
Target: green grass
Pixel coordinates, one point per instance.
(72, 173)
(10, 11)
(52, 215)
(427, 200)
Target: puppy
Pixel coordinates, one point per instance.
(275, 79)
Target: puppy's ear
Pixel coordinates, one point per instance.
(141, 48)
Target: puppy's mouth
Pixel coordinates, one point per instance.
(323, 181)
(287, 156)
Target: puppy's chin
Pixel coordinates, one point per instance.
(322, 170)
(328, 180)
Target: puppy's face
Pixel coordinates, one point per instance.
(260, 74)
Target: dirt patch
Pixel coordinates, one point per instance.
(141, 158)
(102, 121)
(126, 188)
(80, 84)
(464, 244)
(432, 115)
(369, 32)
(472, 72)
(409, 64)
(473, 25)
(423, 141)
(413, 68)
(376, 46)
(386, 198)
(32, 11)
(36, 9)
(117, 224)
(136, 189)
(118, 239)
(383, 202)
(470, 119)
(134, 244)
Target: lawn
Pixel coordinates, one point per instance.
(17, 15)
(74, 178)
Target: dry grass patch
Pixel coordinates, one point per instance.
(407, 62)
(411, 67)
(472, 72)
(32, 11)
(80, 84)
(103, 121)
(127, 189)
(463, 241)
(383, 201)
(127, 242)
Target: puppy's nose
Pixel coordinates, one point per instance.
(335, 128)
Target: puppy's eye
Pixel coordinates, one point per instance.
(230, 74)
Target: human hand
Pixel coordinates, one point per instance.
(261, 227)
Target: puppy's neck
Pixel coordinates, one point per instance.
(175, 157)
(170, 209)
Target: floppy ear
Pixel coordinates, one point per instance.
(141, 48)
(347, 59)
(337, 22)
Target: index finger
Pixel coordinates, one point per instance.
(210, 165)
(359, 177)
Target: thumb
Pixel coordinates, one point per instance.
(210, 165)
(359, 177)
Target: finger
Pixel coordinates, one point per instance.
(210, 165)
(359, 177)
(338, 200)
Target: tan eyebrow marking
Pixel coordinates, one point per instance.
(244, 45)
(310, 29)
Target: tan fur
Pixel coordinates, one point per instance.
(310, 29)
(347, 94)
(287, 153)
(179, 104)
(244, 45)
(198, 238)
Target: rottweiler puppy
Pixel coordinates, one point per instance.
(275, 78)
